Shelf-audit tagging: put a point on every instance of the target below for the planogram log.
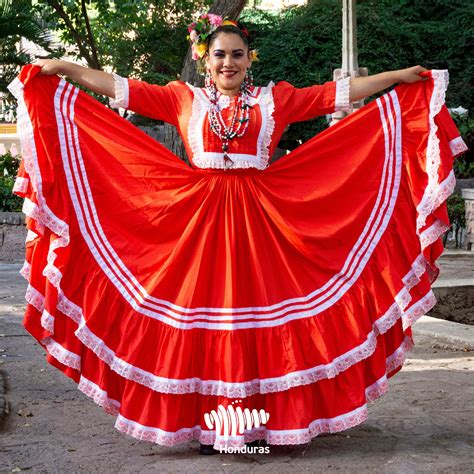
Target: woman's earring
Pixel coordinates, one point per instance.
(209, 81)
(248, 80)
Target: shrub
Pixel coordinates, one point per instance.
(8, 168)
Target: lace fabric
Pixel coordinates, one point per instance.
(200, 108)
(121, 92)
(343, 95)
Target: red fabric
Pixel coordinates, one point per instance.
(173, 103)
(166, 290)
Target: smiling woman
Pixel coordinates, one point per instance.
(273, 299)
(228, 59)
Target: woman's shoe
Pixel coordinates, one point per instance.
(207, 449)
(258, 443)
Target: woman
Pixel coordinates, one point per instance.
(195, 301)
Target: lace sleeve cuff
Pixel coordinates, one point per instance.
(342, 94)
(121, 92)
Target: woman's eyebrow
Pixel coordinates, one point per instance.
(222, 51)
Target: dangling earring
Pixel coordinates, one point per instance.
(248, 80)
(211, 87)
(209, 80)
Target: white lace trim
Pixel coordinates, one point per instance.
(433, 192)
(25, 271)
(121, 92)
(61, 354)
(244, 389)
(342, 102)
(21, 185)
(34, 298)
(99, 396)
(457, 146)
(412, 278)
(268, 109)
(277, 437)
(16, 88)
(199, 110)
(47, 321)
(40, 212)
(433, 233)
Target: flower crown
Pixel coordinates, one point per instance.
(201, 29)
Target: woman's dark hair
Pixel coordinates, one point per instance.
(239, 30)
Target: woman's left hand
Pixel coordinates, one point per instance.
(411, 74)
(362, 87)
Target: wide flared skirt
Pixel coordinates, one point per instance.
(181, 299)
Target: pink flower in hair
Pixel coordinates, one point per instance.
(191, 27)
(193, 35)
(215, 20)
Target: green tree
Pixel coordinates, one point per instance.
(18, 20)
(302, 45)
(143, 39)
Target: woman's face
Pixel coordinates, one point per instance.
(228, 60)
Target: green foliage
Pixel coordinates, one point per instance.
(8, 201)
(456, 210)
(457, 216)
(464, 164)
(143, 39)
(303, 45)
(18, 20)
(146, 39)
(8, 168)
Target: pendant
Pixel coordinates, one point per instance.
(228, 163)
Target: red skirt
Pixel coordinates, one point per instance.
(186, 301)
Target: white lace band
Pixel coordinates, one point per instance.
(342, 94)
(121, 92)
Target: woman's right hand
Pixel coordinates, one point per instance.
(49, 66)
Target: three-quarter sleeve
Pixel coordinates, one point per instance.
(149, 100)
(299, 104)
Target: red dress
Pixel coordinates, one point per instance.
(167, 291)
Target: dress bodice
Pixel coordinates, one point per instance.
(273, 107)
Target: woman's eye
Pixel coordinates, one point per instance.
(238, 55)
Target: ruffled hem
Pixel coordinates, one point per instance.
(406, 308)
(45, 218)
(243, 389)
(435, 192)
(273, 437)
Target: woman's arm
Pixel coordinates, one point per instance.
(362, 87)
(99, 82)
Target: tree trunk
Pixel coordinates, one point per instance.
(224, 8)
(89, 54)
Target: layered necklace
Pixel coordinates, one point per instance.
(239, 121)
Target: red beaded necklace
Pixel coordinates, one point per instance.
(239, 121)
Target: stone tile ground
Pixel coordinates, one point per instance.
(425, 423)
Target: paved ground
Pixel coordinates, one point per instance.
(425, 423)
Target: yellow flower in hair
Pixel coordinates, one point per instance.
(254, 55)
(229, 22)
(201, 49)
